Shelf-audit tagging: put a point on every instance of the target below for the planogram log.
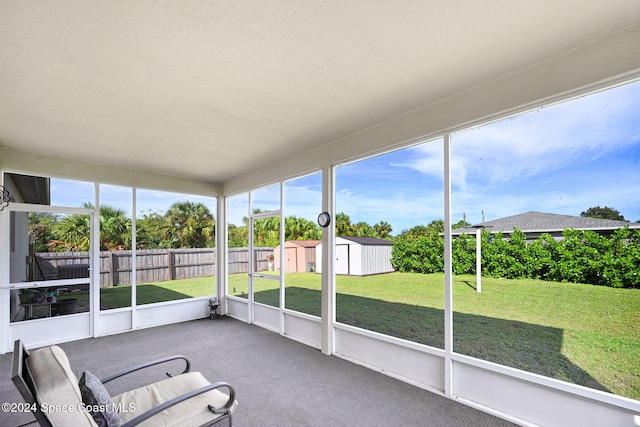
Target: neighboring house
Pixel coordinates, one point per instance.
(359, 256)
(533, 224)
(300, 255)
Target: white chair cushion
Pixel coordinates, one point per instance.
(57, 388)
(193, 412)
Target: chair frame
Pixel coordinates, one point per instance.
(24, 383)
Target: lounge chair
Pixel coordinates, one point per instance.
(57, 398)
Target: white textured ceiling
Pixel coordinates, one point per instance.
(212, 89)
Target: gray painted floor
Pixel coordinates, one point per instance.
(279, 382)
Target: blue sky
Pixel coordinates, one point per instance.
(561, 159)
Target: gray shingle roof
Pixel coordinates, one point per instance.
(545, 222)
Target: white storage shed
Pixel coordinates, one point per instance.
(359, 256)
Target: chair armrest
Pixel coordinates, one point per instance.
(148, 364)
(169, 403)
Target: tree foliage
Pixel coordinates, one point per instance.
(434, 228)
(185, 224)
(603, 213)
(41, 230)
(73, 232)
(579, 257)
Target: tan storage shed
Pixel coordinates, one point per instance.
(300, 256)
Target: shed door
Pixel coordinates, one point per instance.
(342, 259)
(291, 263)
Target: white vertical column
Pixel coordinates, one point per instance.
(448, 272)
(134, 262)
(328, 304)
(252, 260)
(94, 265)
(478, 259)
(5, 279)
(282, 258)
(221, 253)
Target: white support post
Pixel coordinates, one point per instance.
(252, 263)
(282, 259)
(94, 266)
(478, 259)
(328, 304)
(221, 253)
(5, 279)
(134, 261)
(448, 272)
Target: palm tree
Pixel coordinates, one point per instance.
(266, 231)
(362, 229)
(115, 229)
(383, 229)
(343, 224)
(188, 225)
(301, 229)
(73, 232)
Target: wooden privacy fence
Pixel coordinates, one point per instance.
(152, 265)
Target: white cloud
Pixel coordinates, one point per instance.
(548, 139)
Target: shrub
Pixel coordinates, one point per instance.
(463, 254)
(580, 257)
(419, 254)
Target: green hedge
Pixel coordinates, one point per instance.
(580, 257)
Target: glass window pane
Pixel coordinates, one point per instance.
(115, 247)
(53, 248)
(266, 199)
(238, 245)
(302, 204)
(266, 291)
(41, 190)
(266, 237)
(175, 238)
(553, 190)
(390, 216)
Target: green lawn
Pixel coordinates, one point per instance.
(147, 293)
(584, 334)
